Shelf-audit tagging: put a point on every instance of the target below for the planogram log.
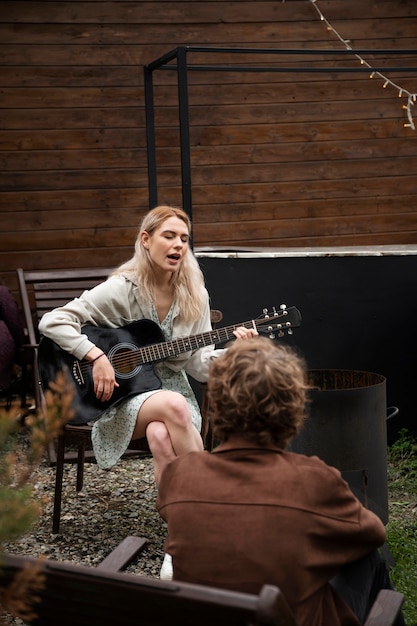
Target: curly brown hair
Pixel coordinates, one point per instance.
(258, 389)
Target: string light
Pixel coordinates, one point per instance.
(411, 97)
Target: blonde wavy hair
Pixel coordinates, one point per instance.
(258, 389)
(188, 281)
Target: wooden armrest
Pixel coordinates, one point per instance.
(385, 609)
(123, 554)
(31, 346)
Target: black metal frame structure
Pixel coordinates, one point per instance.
(176, 60)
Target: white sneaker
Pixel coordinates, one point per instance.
(166, 569)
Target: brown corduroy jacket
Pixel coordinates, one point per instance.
(243, 516)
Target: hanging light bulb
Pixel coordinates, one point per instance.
(412, 97)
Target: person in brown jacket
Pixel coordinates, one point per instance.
(250, 513)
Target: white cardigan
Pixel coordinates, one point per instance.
(115, 303)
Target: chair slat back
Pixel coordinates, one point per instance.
(43, 290)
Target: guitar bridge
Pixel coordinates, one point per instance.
(77, 373)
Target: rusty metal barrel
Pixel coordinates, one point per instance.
(346, 428)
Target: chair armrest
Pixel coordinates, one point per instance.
(30, 346)
(123, 554)
(385, 609)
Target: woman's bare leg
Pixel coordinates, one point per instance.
(164, 418)
(160, 445)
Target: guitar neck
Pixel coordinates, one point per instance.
(160, 351)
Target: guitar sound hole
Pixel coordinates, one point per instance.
(125, 359)
(128, 361)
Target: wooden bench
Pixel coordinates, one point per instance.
(103, 596)
(40, 292)
(86, 596)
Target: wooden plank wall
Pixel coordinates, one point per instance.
(278, 158)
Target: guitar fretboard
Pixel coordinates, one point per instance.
(160, 351)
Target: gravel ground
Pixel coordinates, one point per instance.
(111, 505)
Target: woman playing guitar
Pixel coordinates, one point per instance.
(161, 282)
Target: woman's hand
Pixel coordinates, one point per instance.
(103, 374)
(245, 333)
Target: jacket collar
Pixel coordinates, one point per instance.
(240, 442)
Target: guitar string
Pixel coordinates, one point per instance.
(159, 351)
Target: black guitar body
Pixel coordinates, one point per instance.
(121, 346)
(132, 350)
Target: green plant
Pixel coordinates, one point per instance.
(18, 509)
(402, 527)
(403, 546)
(403, 454)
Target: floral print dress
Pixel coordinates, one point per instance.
(112, 433)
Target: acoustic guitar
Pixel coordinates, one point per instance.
(132, 350)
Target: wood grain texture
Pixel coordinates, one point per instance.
(278, 158)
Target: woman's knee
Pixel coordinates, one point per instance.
(177, 409)
(159, 440)
(157, 432)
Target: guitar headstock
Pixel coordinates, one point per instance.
(278, 323)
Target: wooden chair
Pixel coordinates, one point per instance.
(41, 291)
(87, 596)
